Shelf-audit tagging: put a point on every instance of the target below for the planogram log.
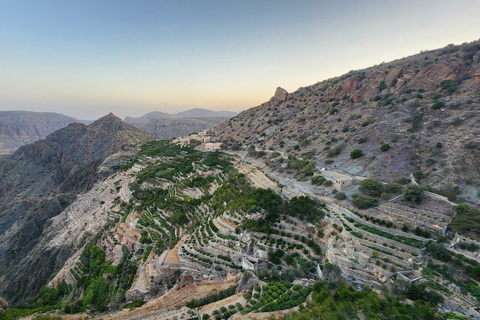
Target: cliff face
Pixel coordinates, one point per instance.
(425, 107)
(18, 128)
(40, 180)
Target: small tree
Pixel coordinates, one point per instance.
(371, 187)
(413, 194)
(356, 153)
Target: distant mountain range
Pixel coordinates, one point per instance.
(168, 125)
(18, 128)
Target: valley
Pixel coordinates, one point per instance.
(354, 198)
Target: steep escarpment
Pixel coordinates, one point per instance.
(18, 128)
(38, 182)
(422, 109)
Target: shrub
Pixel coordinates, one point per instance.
(341, 196)
(413, 194)
(317, 180)
(363, 203)
(356, 153)
(371, 187)
(362, 140)
(438, 251)
(437, 105)
(382, 85)
(392, 188)
(385, 147)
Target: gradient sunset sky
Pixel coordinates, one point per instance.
(85, 58)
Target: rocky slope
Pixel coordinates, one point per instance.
(425, 107)
(38, 182)
(181, 124)
(18, 128)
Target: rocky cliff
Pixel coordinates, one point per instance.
(38, 182)
(423, 109)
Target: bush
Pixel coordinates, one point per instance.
(438, 251)
(317, 180)
(413, 194)
(371, 187)
(392, 188)
(362, 140)
(363, 203)
(385, 147)
(356, 153)
(382, 85)
(341, 196)
(438, 105)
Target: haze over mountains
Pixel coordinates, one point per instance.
(180, 124)
(18, 128)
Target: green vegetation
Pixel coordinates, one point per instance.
(371, 187)
(438, 105)
(363, 203)
(413, 194)
(304, 168)
(356, 153)
(212, 298)
(466, 221)
(343, 302)
(405, 240)
(385, 147)
(317, 180)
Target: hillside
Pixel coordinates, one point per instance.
(38, 182)
(167, 125)
(18, 128)
(424, 109)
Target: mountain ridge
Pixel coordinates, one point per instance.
(424, 107)
(40, 180)
(180, 124)
(18, 128)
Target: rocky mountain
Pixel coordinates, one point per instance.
(18, 128)
(180, 127)
(417, 115)
(180, 124)
(205, 113)
(38, 182)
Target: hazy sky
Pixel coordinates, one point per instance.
(85, 58)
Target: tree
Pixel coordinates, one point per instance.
(413, 194)
(371, 187)
(438, 251)
(362, 202)
(356, 153)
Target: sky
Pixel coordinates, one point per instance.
(86, 58)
